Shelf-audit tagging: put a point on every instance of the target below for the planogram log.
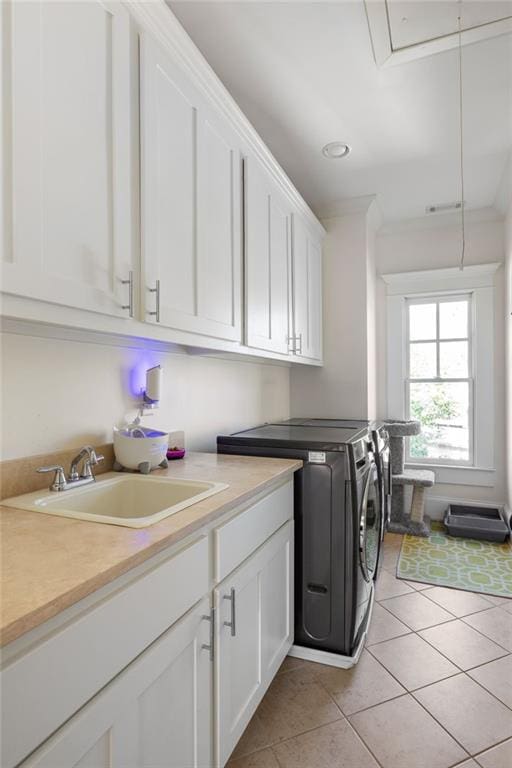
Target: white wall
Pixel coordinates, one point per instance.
(508, 358)
(372, 223)
(61, 394)
(346, 385)
(430, 244)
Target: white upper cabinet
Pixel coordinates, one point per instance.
(307, 291)
(67, 154)
(133, 187)
(267, 260)
(191, 206)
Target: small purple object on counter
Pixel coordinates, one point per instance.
(175, 454)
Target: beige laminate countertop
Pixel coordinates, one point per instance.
(49, 563)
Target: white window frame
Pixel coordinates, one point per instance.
(440, 299)
(478, 281)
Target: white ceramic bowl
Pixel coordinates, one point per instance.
(140, 444)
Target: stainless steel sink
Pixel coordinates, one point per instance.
(135, 501)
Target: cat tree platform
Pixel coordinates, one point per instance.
(412, 521)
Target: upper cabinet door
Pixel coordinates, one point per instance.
(67, 154)
(307, 292)
(267, 261)
(191, 173)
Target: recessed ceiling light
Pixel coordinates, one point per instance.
(335, 150)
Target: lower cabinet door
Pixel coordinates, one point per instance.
(254, 634)
(155, 714)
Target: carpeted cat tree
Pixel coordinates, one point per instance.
(413, 520)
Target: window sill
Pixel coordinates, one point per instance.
(448, 474)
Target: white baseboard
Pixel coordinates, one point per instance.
(435, 506)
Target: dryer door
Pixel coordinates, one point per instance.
(370, 523)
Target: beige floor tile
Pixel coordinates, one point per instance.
(389, 559)
(402, 735)
(458, 601)
(365, 685)
(467, 764)
(419, 586)
(384, 626)
(497, 757)
(475, 718)
(497, 678)
(294, 703)
(413, 661)
(393, 541)
(263, 759)
(332, 746)
(417, 611)
(494, 623)
(389, 586)
(290, 663)
(462, 644)
(507, 606)
(495, 600)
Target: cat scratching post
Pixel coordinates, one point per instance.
(413, 520)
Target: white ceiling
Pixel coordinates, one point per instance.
(414, 21)
(304, 74)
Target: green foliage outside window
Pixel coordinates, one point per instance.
(433, 413)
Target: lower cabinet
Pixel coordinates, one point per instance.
(254, 633)
(165, 704)
(155, 714)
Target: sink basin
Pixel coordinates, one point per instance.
(135, 501)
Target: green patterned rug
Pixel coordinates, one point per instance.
(446, 561)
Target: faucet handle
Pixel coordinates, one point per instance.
(59, 481)
(93, 459)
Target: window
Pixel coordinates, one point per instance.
(440, 368)
(439, 391)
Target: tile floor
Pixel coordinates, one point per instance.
(433, 689)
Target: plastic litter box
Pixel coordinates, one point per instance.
(486, 523)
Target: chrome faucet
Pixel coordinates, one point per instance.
(88, 456)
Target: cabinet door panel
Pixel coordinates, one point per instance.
(68, 154)
(219, 247)
(248, 660)
(315, 301)
(276, 602)
(190, 204)
(307, 292)
(300, 286)
(155, 714)
(267, 261)
(169, 157)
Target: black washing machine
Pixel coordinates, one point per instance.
(381, 451)
(338, 524)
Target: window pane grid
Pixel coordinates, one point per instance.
(438, 382)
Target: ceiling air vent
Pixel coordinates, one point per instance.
(444, 207)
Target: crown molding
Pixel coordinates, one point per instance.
(438, 280)
(155, 17)
(432, 221)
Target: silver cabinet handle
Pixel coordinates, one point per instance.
(156, 291)
(211, 645)
(129, 283)
(232, 623)
(295, 350)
